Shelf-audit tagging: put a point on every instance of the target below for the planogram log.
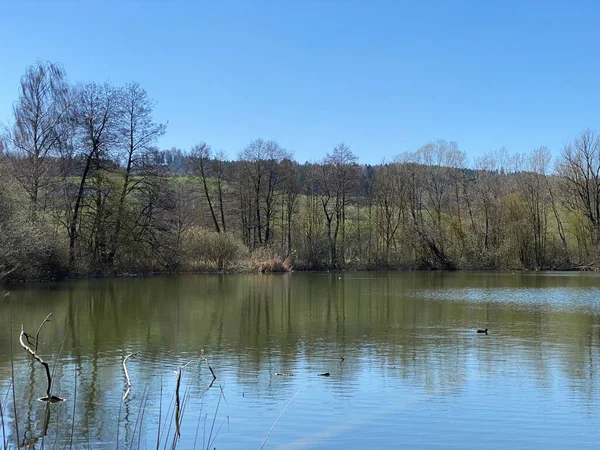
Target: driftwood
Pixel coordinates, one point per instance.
(25, 342)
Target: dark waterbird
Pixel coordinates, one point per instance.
(483, 331)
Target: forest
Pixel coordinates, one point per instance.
(85, 191)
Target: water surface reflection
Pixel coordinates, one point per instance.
(414, 372)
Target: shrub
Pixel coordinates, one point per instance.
(30, 252)
(206, 249)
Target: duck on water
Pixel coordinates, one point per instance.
(483, 331)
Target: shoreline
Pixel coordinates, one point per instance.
(249, 271)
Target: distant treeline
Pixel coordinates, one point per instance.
(85, 191)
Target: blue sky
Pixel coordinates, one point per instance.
(383, 76)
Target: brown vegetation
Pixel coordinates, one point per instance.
(267, 262)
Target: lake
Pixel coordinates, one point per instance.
(407, 368)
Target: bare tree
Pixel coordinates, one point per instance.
(96, 109)
(137, 136)
(389, 191)
(579, 168)
(200, 160)
(218, 168)
(338, 176)
(432, 178)
(291, 191)
(314, 238)
(551, 182)
(260, 170)
(486, 201)
(38, 129)
(533, 187)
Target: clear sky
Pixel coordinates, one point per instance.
(383, 76)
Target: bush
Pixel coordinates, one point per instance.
(29, 252)
(206, 249)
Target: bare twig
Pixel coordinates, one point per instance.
(4, 443)
(37, 335)
(60, 349)
(177, 429)
(159, 415)
(12, 378)
(127, 379)
(119, 424)
(277, 420)
(179, 409)
(223, 394)
(49, 397)
(140, 417)
(74, 404)
(203, 358)
(198, 423)
(210, 444)
(213, 423)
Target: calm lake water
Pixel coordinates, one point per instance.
(415, 373)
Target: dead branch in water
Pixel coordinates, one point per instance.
(24, 336)
(203, 358)
(127, 379)
(177, 408)
(37, 334)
